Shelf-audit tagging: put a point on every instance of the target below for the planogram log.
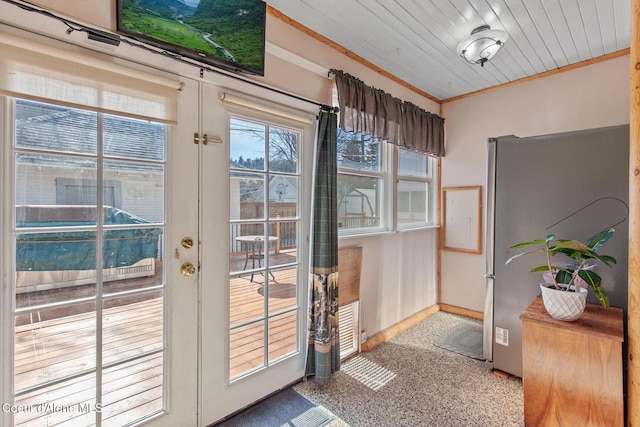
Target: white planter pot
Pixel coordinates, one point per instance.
(563, 305)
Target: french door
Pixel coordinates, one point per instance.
(254, 254)
(149, 278)
(98, 321)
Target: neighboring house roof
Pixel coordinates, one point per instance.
(65, 129)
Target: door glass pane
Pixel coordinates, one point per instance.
(136, 190)
(55, 191)
(247, 144)
(55, 267)
(132, 260)
(282, 336)
(56, 128)
(285, 248)
(129, 138)
(246, 349)
(263, 257)
(51, 344)
(75, 405)
(282, 290)
(125, 400)
(283, 150)
(249, 247)
(132, 325)
(246, 301)
(246, 195)
(89, 279)
(283, 196)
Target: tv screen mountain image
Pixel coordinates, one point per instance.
(225, 33)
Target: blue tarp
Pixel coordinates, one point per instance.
(76, 250)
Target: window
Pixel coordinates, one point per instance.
(361, 178)
(414, 192)
(363, 198)
(264, 264)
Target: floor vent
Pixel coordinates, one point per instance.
(349, 329)
(367, 372)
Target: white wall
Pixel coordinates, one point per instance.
(398, 276)
(584, 98)
(399, 271)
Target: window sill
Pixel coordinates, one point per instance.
(360, 235)
(418, 228)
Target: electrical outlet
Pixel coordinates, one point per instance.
(502, 336)
(363, 337)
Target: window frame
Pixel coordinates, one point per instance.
(389, 179)
(430, 179)
(384, 195)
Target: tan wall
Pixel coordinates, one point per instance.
(589, 97)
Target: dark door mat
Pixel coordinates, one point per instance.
(464, 339)
(284, 409)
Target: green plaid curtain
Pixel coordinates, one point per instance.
(323, 356)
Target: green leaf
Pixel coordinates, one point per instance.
(608, 259)
(605, 259)
(595, 284)
(564, 276)
(596, 241)
(540, 268)
(520, 254)
(533, 242)
(573, 245)
(549, 238)
(592, 278)
(553, 268)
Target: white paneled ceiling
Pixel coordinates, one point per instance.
(416, 40)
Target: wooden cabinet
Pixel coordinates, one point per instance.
(572, 371)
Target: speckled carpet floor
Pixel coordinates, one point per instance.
(408, 381)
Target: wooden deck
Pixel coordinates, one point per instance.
(54, 349)
(247, 310)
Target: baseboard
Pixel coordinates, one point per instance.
(462, 311)
(390, 332)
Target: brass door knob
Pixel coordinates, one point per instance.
(187, 269)
(187, 243)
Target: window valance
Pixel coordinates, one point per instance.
(370, 111)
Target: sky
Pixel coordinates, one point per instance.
(247, 140)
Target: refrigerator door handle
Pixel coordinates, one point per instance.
(487, 333)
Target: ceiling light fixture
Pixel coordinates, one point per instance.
(482, 44)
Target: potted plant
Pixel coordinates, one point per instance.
(565, 294)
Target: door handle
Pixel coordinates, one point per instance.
(187, 269)
(187, 243)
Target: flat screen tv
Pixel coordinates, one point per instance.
(228, 34)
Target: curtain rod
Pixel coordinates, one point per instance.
(116, 39)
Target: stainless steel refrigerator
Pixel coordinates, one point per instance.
(533, 184)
